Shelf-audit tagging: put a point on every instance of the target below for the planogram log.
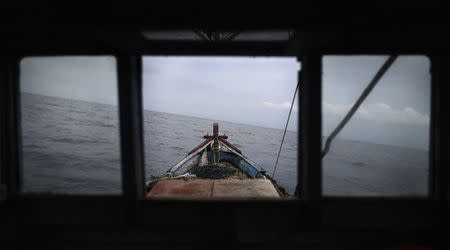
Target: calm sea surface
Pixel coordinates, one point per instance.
(71, 146)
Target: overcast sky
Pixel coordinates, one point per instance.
(87, 78)
(397, 110)
(255, 91)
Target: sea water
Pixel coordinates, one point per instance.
(72, 146)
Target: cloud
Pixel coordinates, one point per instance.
(411, 113)
(280, 106)
(335, 109)
(381, 112)
(381, 105)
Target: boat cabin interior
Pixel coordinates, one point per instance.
(176, 211)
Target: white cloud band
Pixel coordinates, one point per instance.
(281, 106)
(379, 112)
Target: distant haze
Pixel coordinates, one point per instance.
(86, 78)
(397, 110)
(256, 91)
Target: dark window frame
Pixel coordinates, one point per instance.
(310, 212)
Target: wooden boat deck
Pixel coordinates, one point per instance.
(213, 188)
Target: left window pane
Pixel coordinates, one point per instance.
(70, 125)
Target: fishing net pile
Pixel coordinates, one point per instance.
(222, 170)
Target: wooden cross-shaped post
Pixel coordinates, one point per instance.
(216, 151)
(216, 137)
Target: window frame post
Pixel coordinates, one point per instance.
(310, 169)
(438, 160)
(131, 125)
(11, 130)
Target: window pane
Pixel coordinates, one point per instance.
(383, 149)
(249, 98)
(70, 132)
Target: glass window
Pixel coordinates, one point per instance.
(383, 149)
(248, 98)
(70, 128)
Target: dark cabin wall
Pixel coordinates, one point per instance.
(53, 27)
